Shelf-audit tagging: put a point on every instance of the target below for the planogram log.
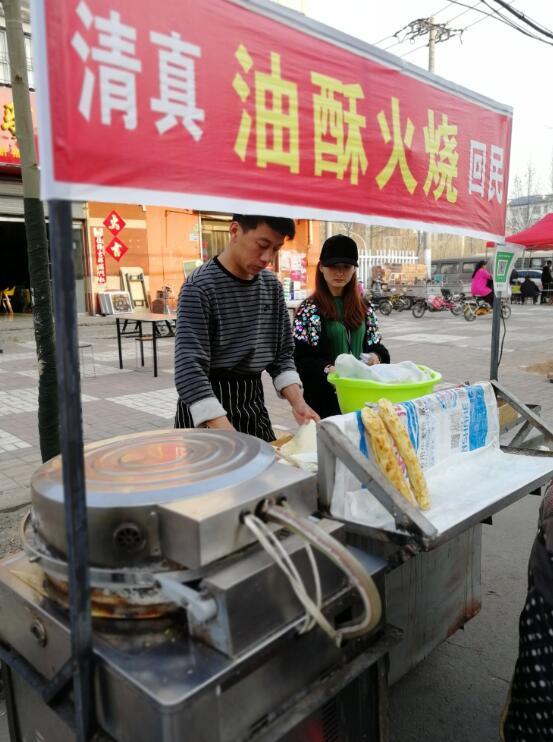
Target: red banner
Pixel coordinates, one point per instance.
(207, 104)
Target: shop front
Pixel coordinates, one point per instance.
(15, 286)
(147, 252)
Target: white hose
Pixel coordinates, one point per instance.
(273, 547)
(341, 557)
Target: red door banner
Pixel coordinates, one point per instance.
(98, 234)
(241, 107)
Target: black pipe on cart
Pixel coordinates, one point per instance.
(71, 444)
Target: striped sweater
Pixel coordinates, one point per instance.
(228, 323)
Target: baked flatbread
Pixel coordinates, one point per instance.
(405, 448)
(381, 444)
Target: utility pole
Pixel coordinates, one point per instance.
(437, 32)
(427, 250)
(431, 45)
(35, 230)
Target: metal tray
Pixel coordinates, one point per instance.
(394, 519)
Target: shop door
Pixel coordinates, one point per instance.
(78, 261)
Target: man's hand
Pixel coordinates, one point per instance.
(220, 423)
(301, 411)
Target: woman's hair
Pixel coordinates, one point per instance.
(354, 306)
(480, 264)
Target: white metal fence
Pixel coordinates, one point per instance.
(381, 257)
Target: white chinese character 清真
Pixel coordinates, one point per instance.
(477, 169)
(177, 84)
(117, 66)
(495, 187)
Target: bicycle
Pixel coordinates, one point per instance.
(477, 307)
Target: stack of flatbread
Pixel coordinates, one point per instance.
(387, 435)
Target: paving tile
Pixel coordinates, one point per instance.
(25, 400)
(161, 403)
(9, 442)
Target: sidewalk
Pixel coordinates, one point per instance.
(466, 678)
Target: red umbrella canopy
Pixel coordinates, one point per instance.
(537, 236)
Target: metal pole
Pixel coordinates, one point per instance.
(496, 326)
(71, 439)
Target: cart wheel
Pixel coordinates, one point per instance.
(419, 308)
(385, 307)
(505, 311)
(469, 313)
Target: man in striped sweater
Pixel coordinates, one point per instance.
(232, 325)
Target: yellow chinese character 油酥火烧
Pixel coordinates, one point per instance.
(440, 143)
(336, 149)
(399, 143)
(276, 115)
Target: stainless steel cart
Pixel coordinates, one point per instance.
(432, 583)
(197, 634)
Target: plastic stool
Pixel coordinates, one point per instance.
(82, 348)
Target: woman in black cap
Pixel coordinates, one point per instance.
(334, 320)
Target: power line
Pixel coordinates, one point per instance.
(496, 15)
(525, 19)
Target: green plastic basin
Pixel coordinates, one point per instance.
(354, 393)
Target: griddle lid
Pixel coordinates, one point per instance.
(159, 467)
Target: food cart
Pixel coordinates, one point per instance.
(187, 584)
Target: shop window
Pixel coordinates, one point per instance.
(5, 77)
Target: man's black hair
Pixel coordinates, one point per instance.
(285, 227)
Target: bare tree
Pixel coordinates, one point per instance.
(519, 215)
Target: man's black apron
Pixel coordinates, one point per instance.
(242, 397)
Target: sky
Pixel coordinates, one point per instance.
(491, 59)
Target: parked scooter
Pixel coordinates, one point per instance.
(444, 303)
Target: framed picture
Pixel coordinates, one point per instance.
(115, 302)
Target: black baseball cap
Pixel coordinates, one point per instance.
(339, 249)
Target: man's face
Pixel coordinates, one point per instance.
(255, 249)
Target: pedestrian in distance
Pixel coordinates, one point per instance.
(546, 282)
(335, 319)
(233, 324)
(529, 290)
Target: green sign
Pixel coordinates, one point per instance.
(504, 261)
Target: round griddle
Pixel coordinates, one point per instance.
(127, 476)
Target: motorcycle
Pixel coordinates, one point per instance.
(444, 303)
(395, 301)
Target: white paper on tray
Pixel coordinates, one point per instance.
(456, 435)
(468, 484)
